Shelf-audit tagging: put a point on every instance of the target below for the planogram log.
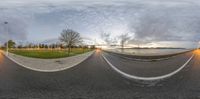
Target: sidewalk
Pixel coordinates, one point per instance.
(49, 65)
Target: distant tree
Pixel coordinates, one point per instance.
(2, 47)
(34, 46)
(30, 45)
(61, 46)
(70, 38)
(45, 46)
(40, 45)
(11, 44)
(53, 46)
(93, 47)
(107, 38)
(123, 39)
(19, 46)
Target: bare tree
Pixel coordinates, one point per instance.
(107, 38)
(124, 38)
(70, 38)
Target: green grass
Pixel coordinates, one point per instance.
(49, 54)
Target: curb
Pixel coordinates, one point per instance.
(143, 60)
(146, 60)
(147, 79)
(40, 70)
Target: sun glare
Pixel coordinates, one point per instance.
(1, 57)
(98, 50)
(197, 52)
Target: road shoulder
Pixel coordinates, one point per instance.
(49, 65)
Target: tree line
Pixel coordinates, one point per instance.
(69, 39)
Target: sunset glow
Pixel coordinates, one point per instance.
(1, 57)
(36, 21)
(197, 52)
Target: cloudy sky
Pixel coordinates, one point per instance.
(149, 22)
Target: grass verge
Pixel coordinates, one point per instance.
(49, 54)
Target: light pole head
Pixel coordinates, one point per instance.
(198, 46)
(5, 22)
(7, 41)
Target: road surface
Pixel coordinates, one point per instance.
(148, 69)
(93, 79)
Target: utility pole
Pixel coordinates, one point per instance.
(6, 23)
(198, 46)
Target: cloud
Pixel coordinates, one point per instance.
(161, 23)
(16, 29)
(148, 20)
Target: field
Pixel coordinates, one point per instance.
(48, 54)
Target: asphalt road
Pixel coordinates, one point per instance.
(148, 69)
(93, 79)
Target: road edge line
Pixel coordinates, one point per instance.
(132, 77)
(144, 60)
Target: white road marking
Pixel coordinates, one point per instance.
(157, 78)
(42, 70)
(144, 60)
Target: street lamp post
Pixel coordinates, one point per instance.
(7, 37)
(198, 45)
